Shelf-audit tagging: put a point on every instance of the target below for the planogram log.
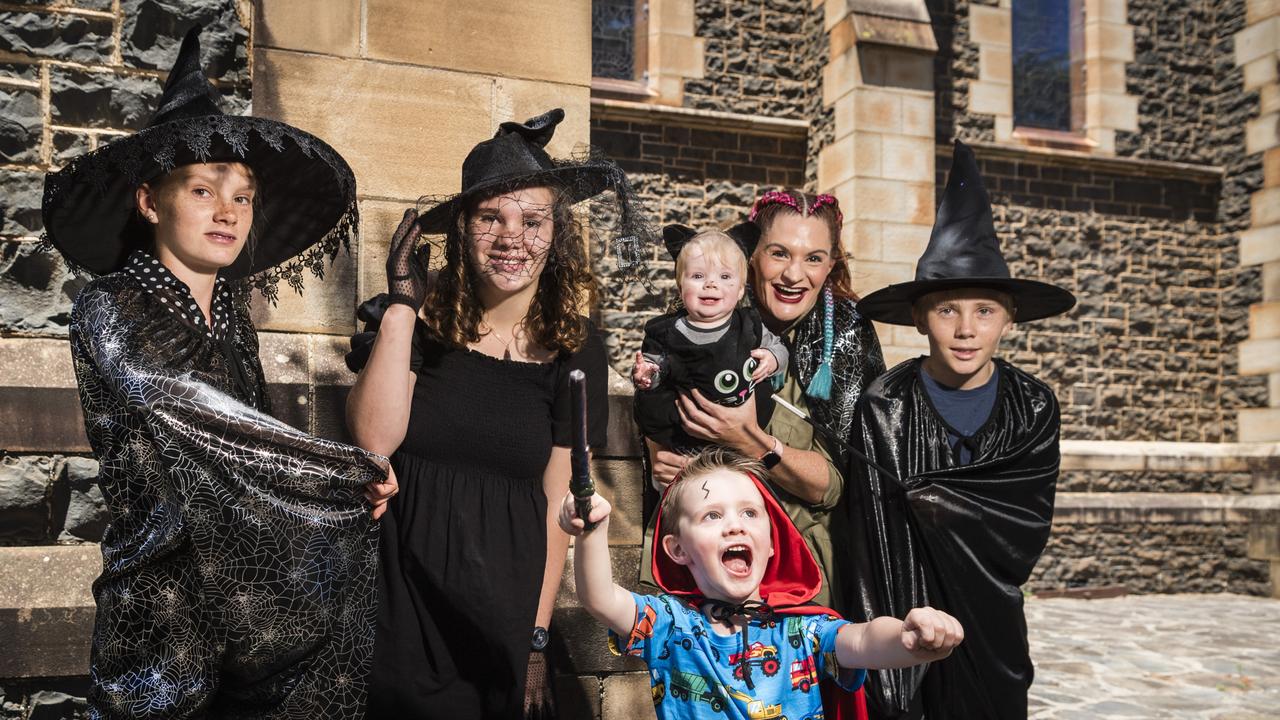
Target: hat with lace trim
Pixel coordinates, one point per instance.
(306, 193)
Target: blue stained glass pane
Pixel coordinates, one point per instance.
(613, 49)
(1042, 64)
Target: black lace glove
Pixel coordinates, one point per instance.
(539, 696)
(407, 269)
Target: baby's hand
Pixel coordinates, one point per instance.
(569, 520)
(767, 364)
(643, 372)
(931, 634)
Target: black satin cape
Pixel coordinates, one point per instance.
(962, 539)
(239, 561)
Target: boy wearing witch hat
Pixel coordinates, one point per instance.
(972, 443)
(733, 633)
(238, 561)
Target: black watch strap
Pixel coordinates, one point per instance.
(540, 639)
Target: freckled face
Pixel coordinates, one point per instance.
(202, 214)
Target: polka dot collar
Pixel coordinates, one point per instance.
(176, 296)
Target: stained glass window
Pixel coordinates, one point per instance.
(1042, 77)
(613, 39)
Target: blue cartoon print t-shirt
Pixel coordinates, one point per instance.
(695, 673)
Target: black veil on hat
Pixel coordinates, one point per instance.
(307, 192)
(964, 252)
(516, 157)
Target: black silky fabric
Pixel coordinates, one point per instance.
(239, 560)
(960, 538)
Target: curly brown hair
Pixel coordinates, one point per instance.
(840, 280)
(565, 286)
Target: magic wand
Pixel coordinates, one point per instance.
(580, 483)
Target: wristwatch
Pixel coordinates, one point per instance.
(540, 639)
(771, 459)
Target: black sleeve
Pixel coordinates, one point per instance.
(370, 312)
(592, 360)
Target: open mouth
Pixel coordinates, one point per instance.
(788, 294)
(708, 300)
(737, 560)
(220, 237)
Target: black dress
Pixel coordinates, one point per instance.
(464, 542)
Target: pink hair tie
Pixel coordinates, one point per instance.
(775, 197)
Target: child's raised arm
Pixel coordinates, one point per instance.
(926, 635)
(607, 602)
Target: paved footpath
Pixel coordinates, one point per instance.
(1211, 657)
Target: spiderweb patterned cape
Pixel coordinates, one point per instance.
(239, 560)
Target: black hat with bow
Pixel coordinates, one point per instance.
(306, 191)
(516, 157)
(964, 252)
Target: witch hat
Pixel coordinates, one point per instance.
(516, 157)
(964, 252)
(306, 199)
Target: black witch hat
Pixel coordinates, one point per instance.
(516, 157)
(306, 191)
(964, 252)
(745, 234)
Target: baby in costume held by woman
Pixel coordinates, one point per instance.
(710, 346)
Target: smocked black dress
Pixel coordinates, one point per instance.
(464, 542)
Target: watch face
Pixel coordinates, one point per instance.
(770, 460)
(540, 638)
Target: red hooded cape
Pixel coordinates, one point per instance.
(791, 579)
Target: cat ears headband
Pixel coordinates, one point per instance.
(675, 236)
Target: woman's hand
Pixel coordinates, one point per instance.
(735, 427)
(539, 694)
(664, 464)
(379, 492)
(407, 269)
(643, 372)
(768, 365)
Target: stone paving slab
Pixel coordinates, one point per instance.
(1210, 657)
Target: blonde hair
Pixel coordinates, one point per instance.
(717, 246)
(707, 461)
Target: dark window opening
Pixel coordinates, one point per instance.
(1047, 84)
(614, 50)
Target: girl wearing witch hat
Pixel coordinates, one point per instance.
(466, 382)
(957, 507)
(238, 563)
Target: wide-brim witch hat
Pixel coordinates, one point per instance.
(306, 192)
(791, 576)
(964, 252)
(516, 157)
(675, 236)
